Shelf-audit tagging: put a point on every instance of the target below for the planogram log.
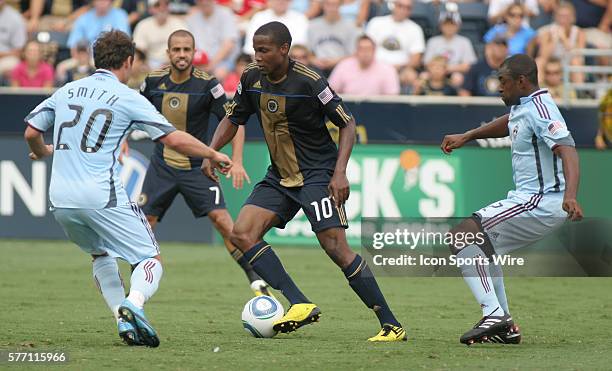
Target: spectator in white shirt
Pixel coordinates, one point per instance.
(400, 41)
(278, 10)
(151, 34)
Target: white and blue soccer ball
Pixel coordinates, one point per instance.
(259, 315)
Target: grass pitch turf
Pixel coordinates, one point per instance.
(49, 302)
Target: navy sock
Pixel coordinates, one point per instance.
(364, 284)
(246, 267)
(265, 262)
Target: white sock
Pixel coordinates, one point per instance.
(478, 278)
(108, 279)
(145, 281)
(498, 283)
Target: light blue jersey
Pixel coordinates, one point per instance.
(536, 128)
(90, 118)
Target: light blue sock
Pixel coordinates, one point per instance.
(108, 279)
(478, 278)
(498, 283)
(145, 281)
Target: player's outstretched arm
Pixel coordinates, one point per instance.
(339, 187)
(571, 172)
(187, 145)
(226, 130)
(238, 172)
(497, 128)
(37, 145)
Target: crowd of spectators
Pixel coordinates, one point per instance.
(364, 47)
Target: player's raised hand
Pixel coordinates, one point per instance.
(207, 169)
(238, 174)
(339, 188)
(573, 209)
(453, 141)
(222, 162)
(48, 152)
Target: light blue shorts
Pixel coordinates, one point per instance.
(521, 219)
(121, 232)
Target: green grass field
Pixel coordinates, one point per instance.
(49, 302)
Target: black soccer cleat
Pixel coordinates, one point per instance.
(486, 328)
(511, 336)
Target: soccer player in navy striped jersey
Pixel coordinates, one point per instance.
(308, 172)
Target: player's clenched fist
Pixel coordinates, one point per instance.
(48, 152)
(453, 141)
(573, 210)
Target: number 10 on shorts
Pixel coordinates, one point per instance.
(323, 207)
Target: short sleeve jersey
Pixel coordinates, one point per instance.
(292, 115)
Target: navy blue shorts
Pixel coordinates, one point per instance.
(162, 183)
(286, 202)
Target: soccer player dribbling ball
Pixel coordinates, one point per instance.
(546, 174)
(308, 172)
(90, 118)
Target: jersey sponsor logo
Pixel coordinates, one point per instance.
(162, 86)
(257, 85)
(555, 126)
(174, 102)
(326, 95)
(272, 105)
(217, 91)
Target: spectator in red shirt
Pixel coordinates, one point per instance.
(32, 72)
(230, 84)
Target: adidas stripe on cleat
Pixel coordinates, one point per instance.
(487, 328)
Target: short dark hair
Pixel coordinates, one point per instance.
(521, 64)
(112, 49)
(278, 32)
(181, 33)
(367, 38)
(243, 57)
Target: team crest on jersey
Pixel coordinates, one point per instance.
(142, 199)
(272, 105)
(515, 132)
(174, 102)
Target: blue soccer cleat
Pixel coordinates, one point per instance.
(128, 333)
(136, 317)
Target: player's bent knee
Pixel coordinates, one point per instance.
(460, 231)
(470, 232)
(243, 240)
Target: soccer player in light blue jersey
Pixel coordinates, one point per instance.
(545, 171)
(90, 118)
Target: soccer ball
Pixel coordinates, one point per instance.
(259, 314)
